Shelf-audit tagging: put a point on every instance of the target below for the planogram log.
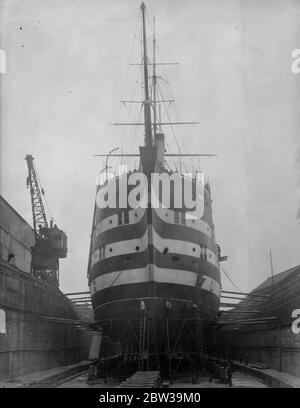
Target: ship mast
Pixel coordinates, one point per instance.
(147, 100)
(154, 81)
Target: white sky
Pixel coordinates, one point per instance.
(66, 66)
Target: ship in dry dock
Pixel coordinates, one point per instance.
(154, 271)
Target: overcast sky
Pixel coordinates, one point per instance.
(65, 73)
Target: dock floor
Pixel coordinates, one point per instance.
(238, 381)
(246, 377)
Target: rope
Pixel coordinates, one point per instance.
(126, 76)
(130, 107)
(116, 278)
(167, 112)
(135, 130)
(230, 279)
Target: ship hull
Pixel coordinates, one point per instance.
(153, 262)
(124, 302)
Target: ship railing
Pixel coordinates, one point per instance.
(184, 168)
(126, 166)
(131, 166)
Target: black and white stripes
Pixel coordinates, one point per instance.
(160, 249)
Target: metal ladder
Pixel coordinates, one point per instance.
(153, 342)
(201, 340)
(143, 324)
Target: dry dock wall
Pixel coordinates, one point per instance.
(277, 347)
(29, 342)
(275, 344)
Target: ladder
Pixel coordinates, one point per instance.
(152, 345)
(143, 324)
(201, 341)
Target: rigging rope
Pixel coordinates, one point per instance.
(230, 279)
(134, 135)
(160, 90)
(167, 112)
(129, 110)
(126, 76)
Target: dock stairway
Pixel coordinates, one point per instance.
(143, 379)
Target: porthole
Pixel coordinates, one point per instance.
(165, 251)
(110, 249)
(137, 248)
(194, 249)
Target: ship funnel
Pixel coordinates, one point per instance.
(159, 140)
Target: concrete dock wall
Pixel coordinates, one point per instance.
(277, 347)
(275, 344)
(30, 342)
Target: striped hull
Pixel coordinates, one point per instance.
(156, 256)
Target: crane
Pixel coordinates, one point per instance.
(50, 241)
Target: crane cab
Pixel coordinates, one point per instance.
(52, 241)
